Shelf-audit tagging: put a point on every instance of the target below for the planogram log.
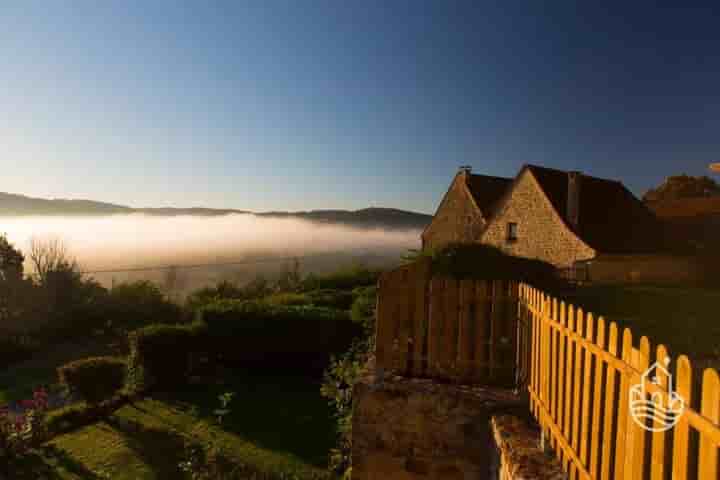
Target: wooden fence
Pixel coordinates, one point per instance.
(582, 372)
(442, 328)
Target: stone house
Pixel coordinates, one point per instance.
(552, 215)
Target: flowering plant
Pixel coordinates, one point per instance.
(20, 431)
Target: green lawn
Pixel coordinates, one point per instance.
(276, 425)
(686, 320)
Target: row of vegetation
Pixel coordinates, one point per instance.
(287, 329)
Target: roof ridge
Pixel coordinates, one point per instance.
(585, 175)
(491, 176)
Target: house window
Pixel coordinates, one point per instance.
(512, 231)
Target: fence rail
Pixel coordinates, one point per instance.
(582, 374)
(443, 328)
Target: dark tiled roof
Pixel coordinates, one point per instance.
(487, 191)
(611, 219)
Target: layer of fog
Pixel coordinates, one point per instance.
(138, 240)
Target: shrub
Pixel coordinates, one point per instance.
(340, 299)
(135, 304)
(70, 417)
(94, 379)
(299, 338)
(347, 279)
(363, 308)
(22, 432)
(161, 355)
(287, 299)
(16, 348)
(485, 262)
(337, 386)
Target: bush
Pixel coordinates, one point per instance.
(94, 379)
(357, 276)
(363, 308)
(16, 348)
(340, 299)
(287, 299)
(337, 386)
(484, 262)
(71, 417)
(161, 355)
(135, 304)
(300, 338)
(225, 290)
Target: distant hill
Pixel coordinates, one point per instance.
(375, 217)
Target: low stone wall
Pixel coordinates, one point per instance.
(520, 455)
(406, 429)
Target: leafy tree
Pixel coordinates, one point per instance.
(14, 289)
(11, 261)
(683, 186)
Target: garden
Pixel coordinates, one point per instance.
(239, 382)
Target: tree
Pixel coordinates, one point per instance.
(683, 186)
(12, 283)
(11, 261)
(50, 255)
(173, 282)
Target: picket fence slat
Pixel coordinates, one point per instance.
(577, 375)
(710, 409)
(585, 410)
(595, 429)
(605, 464)
(561, 371)
(657, 454)
(637, 434)
(683, 383)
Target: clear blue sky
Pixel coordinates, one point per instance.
(300, 105)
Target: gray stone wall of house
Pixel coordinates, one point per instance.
(541, 233)
(457, 219)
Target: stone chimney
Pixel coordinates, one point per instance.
(573, 199)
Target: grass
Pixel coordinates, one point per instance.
(276, 426)
(685, 320)
(18, 382)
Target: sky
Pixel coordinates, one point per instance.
(289, 105)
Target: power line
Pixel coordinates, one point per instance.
(217, 264)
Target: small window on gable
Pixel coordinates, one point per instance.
(512, 231)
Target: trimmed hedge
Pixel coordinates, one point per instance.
(485, 262)
(346, 279)
(94, 379)
(284, 338)
(161, 355)
(340, 299)
(71, 417)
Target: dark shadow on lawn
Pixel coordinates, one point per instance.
(160, 450)
(45, 464)
(278, 413)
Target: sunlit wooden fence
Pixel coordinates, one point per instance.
(581, 373)
(447, 329)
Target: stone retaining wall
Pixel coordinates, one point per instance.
(418, 429)
(409, 429)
